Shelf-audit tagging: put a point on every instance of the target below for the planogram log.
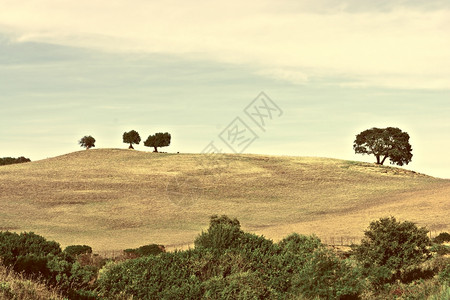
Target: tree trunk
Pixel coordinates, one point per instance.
(156, 150)
(378, 159)
(131, 146)
(384, 158)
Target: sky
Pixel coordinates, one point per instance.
(328, 70)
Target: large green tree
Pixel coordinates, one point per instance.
(87, 142)
(131, 137)
(158, 140)
(385, 143)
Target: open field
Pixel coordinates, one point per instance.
(114, 199)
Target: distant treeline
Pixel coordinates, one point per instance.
(11, 160)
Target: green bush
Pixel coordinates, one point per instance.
(390, 248)
(244, 285)
(192, 274)
(146, 250)
(442, 238)
(223, 233)
(326, 276)
(13, 245)
(444, 275)
(152, 276)
(69, 276)
(75, 250)
(300, 244)
(27, 252)
(225, 259)
(34, 256)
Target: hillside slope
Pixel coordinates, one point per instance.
(116, 199)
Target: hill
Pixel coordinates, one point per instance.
(114, 199)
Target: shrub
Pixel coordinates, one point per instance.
(32, 264)
(390, 248)
(13, 245)
(442, 238)
(223, 233)
(70, 276)
(419, 289)
(27, 252)
(300, 244)
(192, 274)
(152, 276)
(75, 250)
(34, 256)
(244, 285)
(440, 249)
(444, 275)
(326, 276)
(442, 294)
(152, 249)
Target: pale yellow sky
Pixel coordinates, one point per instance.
(397, 46)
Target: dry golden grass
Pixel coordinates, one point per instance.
(114, 199)
(15, 286)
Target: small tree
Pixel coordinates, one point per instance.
(158, 140)
(390, 248)
(87, 142)
(131, 137)
(385, 143)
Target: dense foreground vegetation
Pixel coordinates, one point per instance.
(394, 260)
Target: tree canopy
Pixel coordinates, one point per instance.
(131, 137)
(158, 140)
(385, 143)
(87, 142)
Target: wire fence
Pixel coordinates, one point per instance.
(338, 240)
(341, 240)
(349, 240)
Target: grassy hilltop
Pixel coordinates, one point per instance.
(114, 199)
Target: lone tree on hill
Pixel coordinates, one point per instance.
(158, 140)
(385, 143)
(131, 138)
(87, 142)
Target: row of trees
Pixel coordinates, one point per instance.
(383, 143)
(132, 137)
(12, 160)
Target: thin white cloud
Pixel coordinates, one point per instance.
(404, 44)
